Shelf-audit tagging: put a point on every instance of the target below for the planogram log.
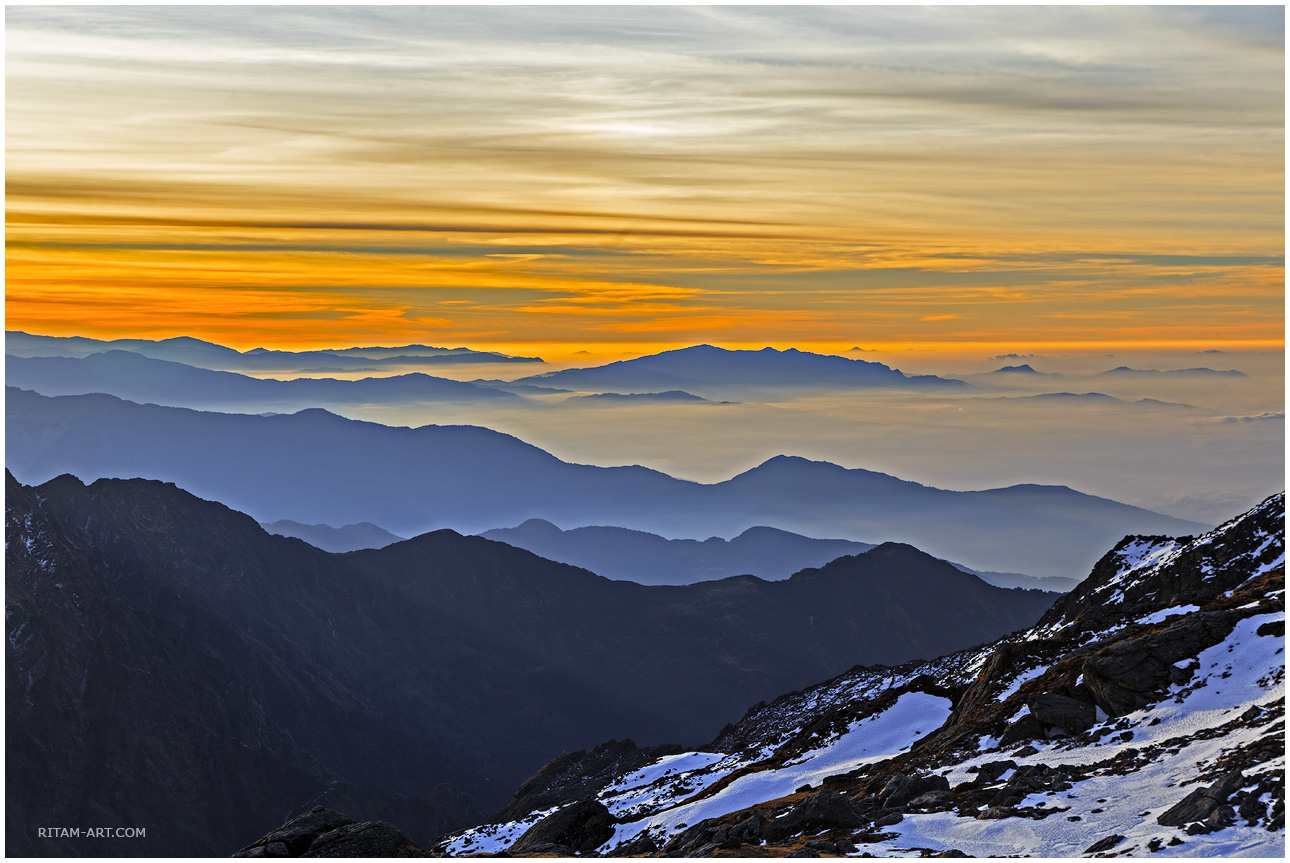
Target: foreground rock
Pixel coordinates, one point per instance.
(326, 833)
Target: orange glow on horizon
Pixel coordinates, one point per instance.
(460, 189)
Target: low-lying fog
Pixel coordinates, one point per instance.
(1214, 450)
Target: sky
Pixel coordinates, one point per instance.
(621, 180)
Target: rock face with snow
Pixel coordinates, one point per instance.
(1142, 714)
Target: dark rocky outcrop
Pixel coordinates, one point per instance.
(575, 775)
(901, 789)
(296, 835)
(1135, 672)
(1106, 843)
(1208, 805)
(580, 827)
(327, 833)
(1068, 714)
(368, 839)
(824, 810)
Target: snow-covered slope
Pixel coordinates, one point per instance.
(1143, 714)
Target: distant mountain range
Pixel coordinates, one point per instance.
(173, 666)
(647, 558)
(1125, 371)
(349, 537)
(317, 468)
(207, 355)
(714, 373)
(138, 378)
(1094, 399)
(639, 398)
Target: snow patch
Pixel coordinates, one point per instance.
(1166, 613)
(913, 715)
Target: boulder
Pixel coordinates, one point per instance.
(1135, 672)
(294, 838)
(365, 839)
(931, 799)
(1026, 728)
(1068, 714)
(900, 789)
(1202, 804)
(990, 772)
(822, 811)
(582, 826)
(1106, 843)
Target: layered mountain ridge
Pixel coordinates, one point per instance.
(470, 479)
(647, 558)
(173, 665)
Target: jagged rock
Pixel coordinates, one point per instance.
(1202, 803)
(1104, 844)
(583, 826)
(868, 802)
(990, 772)
(641, 845)
(296, 835)
(1006, 797)
(748, 829)
(1068, 714)
(1027, 727)
(804, 852)
(366, 839)
(821, 811)
(1134, 672)
(822, 845)
(953, 852)
(1037, 777)
(553, 848)
(693, 837)
(931, 799)
(706, 850)
(575, 775)
(1275, 628)
(900, 789)
(889, 819)
(994, 813)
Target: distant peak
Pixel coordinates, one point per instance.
(1024, 368)
(315, 413)
(889, 549)
(536, 524)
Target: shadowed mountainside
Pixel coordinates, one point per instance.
(174, 666)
